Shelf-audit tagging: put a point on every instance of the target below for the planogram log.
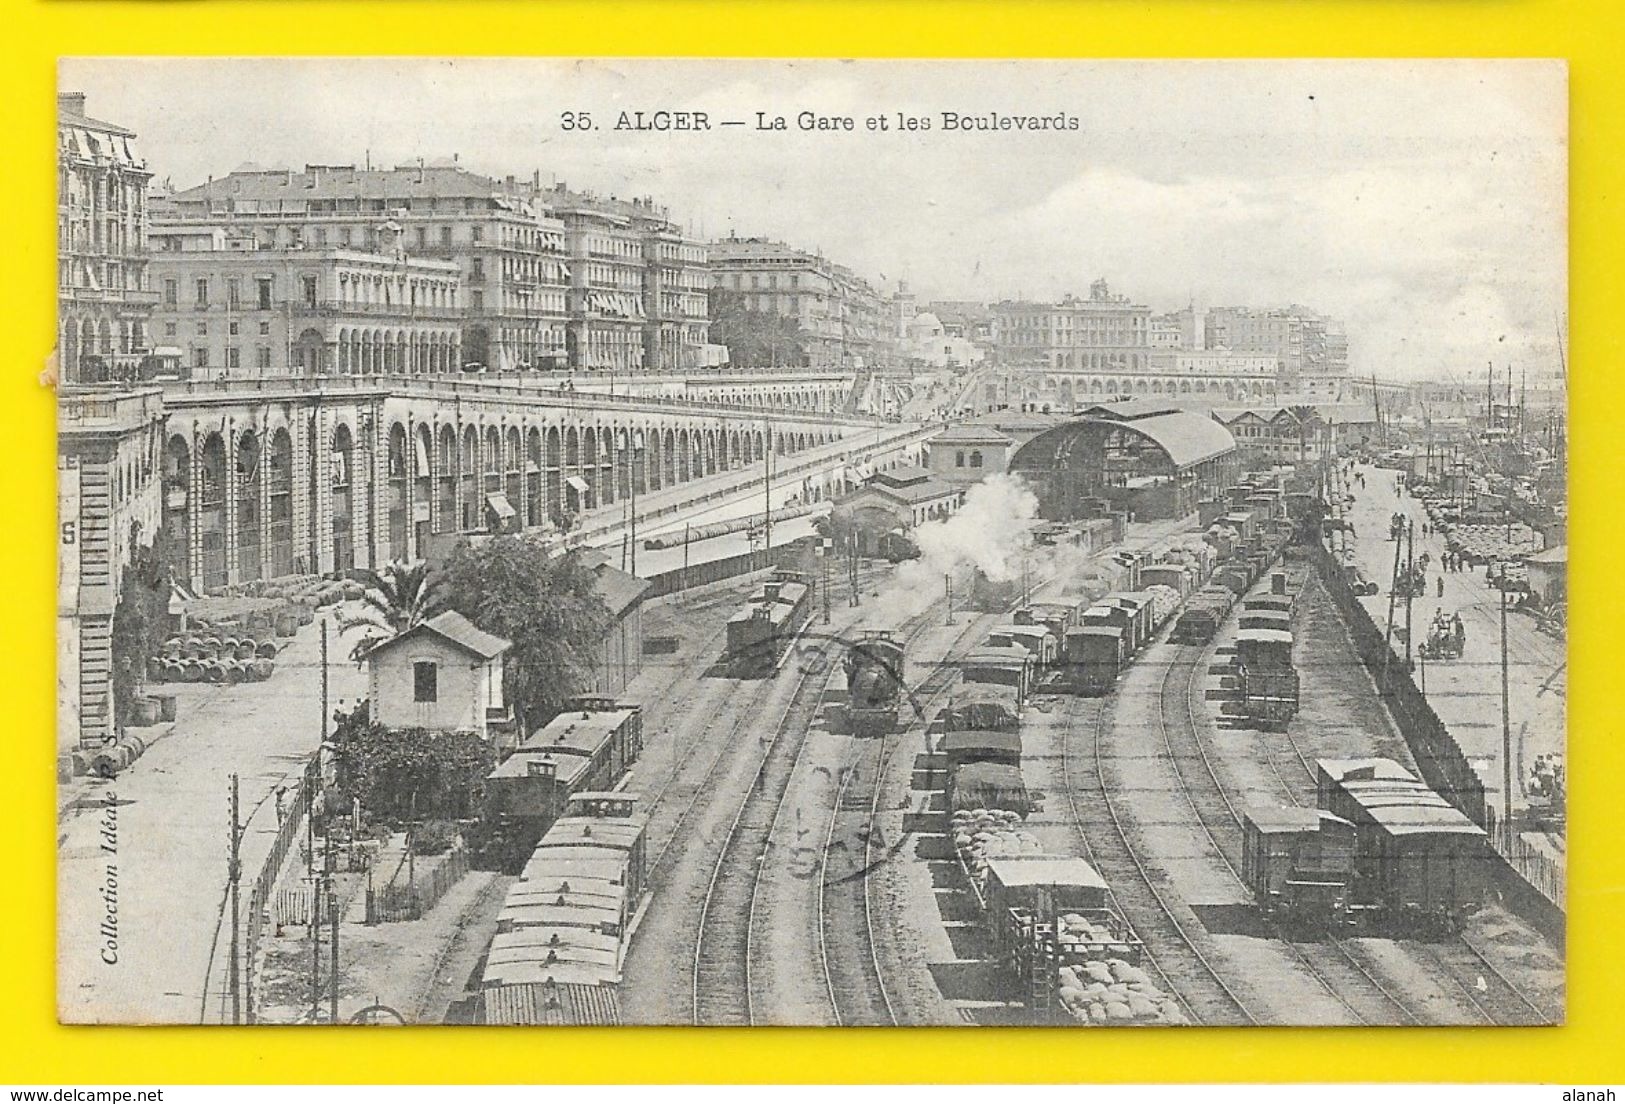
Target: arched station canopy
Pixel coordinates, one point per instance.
(1144, 457)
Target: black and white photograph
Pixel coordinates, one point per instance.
(810, 542)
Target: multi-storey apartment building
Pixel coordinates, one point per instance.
(843, 318)
(638, 284)
(103, 297)
(511, 255)
(1312, 349)
(237, 311)
(1102, 332)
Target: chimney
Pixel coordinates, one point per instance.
(70, 103)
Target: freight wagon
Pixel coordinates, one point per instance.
(1202, 615)
(563, 929)
(1012, 667)
(1037, 640)
(1268, 681)
(1057, 617)
(1419, 863)
(1094, 657)
(983, 706)
(874, 683)
(588, 747)
(1298, 862)
(759, 633)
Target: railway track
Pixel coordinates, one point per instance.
(1333, 966)
(721, 987)
(853, 978)
(1490, 993)
(1145, 900)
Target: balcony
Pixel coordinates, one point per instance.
(339, 308)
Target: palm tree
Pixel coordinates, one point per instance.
(1306, 416)
(397, 597)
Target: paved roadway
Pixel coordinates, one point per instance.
(1466, 693)
(169, 866)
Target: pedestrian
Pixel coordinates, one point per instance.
(1441, 584)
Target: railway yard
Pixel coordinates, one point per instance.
(1217, 831)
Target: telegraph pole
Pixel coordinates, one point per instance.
(333, 932)
(948, 590)
(235, 873)
(767, 494)
(1410, 585)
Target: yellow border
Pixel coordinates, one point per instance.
(1587, 33)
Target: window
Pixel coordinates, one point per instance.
(233, 357)
(262, 357)
(423, 237)
(425, 682)
(203, 292)
(170, 293)
(169, 329)
(321, 237)
(234, 296)
(478, 232)
(344, 236)
(959, 458)
(476, 300)
(234, 327)
(309, 283)
(976, 458)
(202, 329)
(200, 356)
(445, 235)
(263, 289)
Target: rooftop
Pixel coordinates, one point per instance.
(453, 628)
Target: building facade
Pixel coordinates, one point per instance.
(1310, 347)
(511, 256)
(104, 300)
(244, 311)
(1103, 332)
(843, 319)
(637, 285)
(109, 448)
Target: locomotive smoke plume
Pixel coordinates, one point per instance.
(988, 532)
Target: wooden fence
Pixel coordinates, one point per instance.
(296, 811)
(409, 900)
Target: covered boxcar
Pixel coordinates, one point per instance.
(1267, 680)
(1419, 862)
(588, 747)
(1298, 862)
(988, 785)
(761, 630)
(1039, 642)
(1094, 658)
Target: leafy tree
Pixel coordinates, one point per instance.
(755, 339)
(138, 622)
(548, 607)
(409, 774)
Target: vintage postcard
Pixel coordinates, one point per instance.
(812, 542)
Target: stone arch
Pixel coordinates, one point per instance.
(178, 505)
(446, 473)
(398, 468)
(468, 478)
(513, 478)
(422, 487)
(247, 488)
(536, 506)
(278, 464)
(341, 473)
(211, 509)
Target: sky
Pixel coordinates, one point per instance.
(1423, 203)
